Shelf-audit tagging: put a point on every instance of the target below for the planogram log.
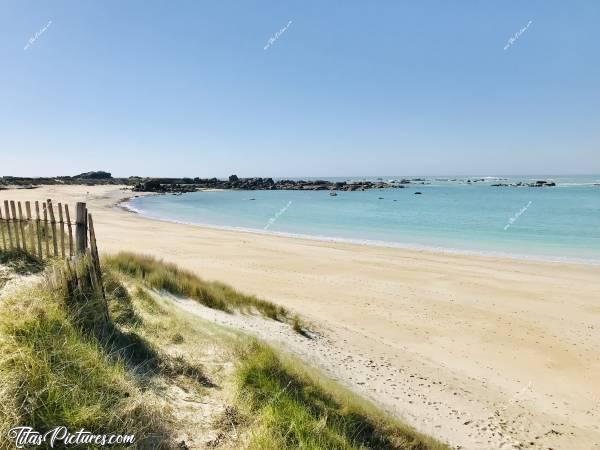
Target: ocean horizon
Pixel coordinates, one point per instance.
(455, 214)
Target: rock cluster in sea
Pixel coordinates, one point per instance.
(538, 183)
(252, 184)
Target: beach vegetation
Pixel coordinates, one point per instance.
(131, 362)
(168, 277)
(292, 408)
(53, 371)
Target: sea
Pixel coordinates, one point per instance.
(454, 214)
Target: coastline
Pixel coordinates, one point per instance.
(474, 350)
(126, 206)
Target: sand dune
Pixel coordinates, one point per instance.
(481, 352)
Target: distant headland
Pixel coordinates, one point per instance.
(233, 182)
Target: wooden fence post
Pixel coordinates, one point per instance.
(13, 210)
(38, 228)
(80, 228)
(7, 214)
(31, 227)
(70, 230)
(46, 230)
(95, 272)
(22, 228)
(87, 242)
(4, 247)
(62, 230)
(53, 224)
(94, 246)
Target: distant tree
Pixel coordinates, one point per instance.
(233, 178)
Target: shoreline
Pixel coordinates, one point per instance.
(472, 350)
(126, 206)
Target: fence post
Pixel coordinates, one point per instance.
(31, 227)
(62, 230)
(96, 279)
(80, 228)
(7, 214)
(70, 230)
(22, 228)
(53, 224)
(38, 228)
(45, 233)
(13, 210)
(94, 249)
(4, 247)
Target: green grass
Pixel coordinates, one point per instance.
(63, 361)
(52, 373)
(290, 409)
(168, 277)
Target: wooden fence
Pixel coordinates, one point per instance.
(44, 237)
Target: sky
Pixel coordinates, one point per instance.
(343, 88)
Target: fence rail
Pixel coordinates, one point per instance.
(44, 237)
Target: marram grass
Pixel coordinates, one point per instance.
(52, 374)
(291, 409)
(57, 368)
(168, 277)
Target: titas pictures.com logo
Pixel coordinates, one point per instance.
(60, 437)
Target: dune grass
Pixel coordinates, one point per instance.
(291, 409)
(63, 361)
(52, 373)
(168, 277)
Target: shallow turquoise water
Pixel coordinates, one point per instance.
(560, 223)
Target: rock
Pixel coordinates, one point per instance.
(538, 183)
(252, 184)
(94, 175)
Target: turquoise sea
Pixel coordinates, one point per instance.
(552, 223)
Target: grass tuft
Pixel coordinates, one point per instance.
(120, 306)
(168, 277)
(292, 410)
(52, 374)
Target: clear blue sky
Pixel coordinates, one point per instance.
(185, 88)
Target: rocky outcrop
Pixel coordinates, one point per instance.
(94, 175)
(252, 184)
(538, 183)
(157, 186)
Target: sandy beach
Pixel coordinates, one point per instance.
(481, 352)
